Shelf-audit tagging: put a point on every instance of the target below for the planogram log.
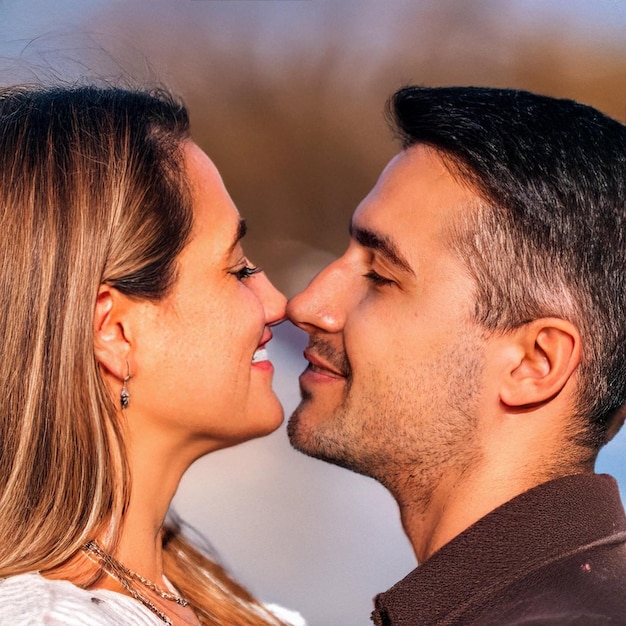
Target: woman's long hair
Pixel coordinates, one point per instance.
(92, 190)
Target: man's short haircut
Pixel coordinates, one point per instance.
(549, 237)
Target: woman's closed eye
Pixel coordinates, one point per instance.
(246, 271)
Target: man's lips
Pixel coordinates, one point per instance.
(319, 366)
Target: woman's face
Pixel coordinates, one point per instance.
(201, 367)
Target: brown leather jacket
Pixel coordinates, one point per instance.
(553, 555)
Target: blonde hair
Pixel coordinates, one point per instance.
(92, 191)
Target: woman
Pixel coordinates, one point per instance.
(134, 336)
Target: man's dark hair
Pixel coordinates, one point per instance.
(549, 237)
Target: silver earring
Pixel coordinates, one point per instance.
(125, 395)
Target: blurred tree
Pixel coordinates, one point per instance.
(293, 119)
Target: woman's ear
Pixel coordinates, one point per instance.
(112, 342)
(547, 353)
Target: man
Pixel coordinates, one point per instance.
(468, 351)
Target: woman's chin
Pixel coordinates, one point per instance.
(262, 418)
(270, 417)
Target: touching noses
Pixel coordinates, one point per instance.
(323, 304)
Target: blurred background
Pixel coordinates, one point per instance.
(287, 98)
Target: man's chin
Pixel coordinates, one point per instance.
(307, 435)
(294, 429)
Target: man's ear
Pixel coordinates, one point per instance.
(112, 341)
(545, 354)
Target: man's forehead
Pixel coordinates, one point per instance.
(415, 188)
(411, 214)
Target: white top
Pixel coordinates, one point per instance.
(32, 600)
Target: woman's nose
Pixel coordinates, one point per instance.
(274, 302)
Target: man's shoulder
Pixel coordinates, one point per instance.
(553, 555)
(583, 588)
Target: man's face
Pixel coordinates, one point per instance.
(396, 363)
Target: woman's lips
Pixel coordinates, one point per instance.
(261, 354)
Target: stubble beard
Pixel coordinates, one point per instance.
(405, 436)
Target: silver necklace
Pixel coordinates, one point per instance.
(121, 573)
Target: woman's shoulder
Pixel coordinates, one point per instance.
(287, 616)
(31, 600)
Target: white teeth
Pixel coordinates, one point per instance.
(260, 355)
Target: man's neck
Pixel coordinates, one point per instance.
(458, 502)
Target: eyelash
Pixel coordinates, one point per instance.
(246, 271)
(377, 279)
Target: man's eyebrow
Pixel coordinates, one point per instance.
(382, 244)
(242, 229)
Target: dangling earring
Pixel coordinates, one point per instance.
(125, 395)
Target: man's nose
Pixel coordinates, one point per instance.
(324, 303)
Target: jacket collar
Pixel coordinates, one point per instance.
(537, 526)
